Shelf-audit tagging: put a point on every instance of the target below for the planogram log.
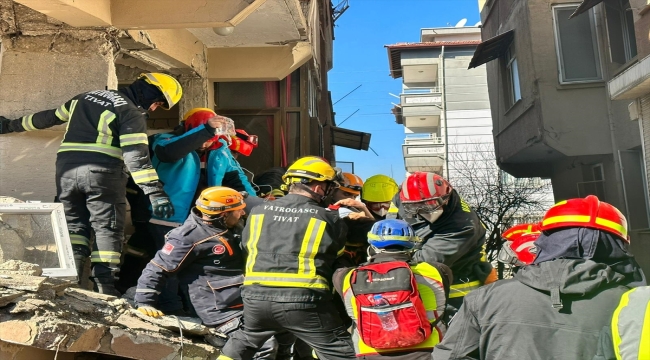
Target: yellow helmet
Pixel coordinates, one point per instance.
(309, 167)
(379, 188)
(217, 199)
(169, 86)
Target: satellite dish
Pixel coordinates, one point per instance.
(478, 24)
(461, 23)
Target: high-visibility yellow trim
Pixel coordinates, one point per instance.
(62, 113)
(644, 345)
(105, 134)
(560, 203)
(286, 280)
(133, 139)
(612, 225)
(566, 218)
(27, 123)
(112, 257)
(341, 252)
(616, 335)
(144, 176)
(224, 357)
(315, 246)
(255, 231)
(76, 239)
(100, 148)
(392, 237)
(305, 246)
(460, 290)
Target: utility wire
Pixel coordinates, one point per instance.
(357, 110)
(347, 94)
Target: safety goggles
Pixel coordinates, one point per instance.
(425, 206)
(508, 256)
(377, 206)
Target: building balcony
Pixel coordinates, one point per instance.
(423, 153)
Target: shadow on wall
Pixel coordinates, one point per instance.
(640, 247)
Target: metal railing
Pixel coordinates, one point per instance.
(422, 139)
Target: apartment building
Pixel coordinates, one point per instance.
(263, 63)
(549, 66)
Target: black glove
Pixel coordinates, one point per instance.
(4, 125)
(161, 205)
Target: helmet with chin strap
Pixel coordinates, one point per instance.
(392, 234)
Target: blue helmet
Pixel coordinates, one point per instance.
(392, 232)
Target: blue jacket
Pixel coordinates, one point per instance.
(179, 167)
(209, 265)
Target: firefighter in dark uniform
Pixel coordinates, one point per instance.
(451, 232)
(291, 246)
(207, 260)
(106, 130)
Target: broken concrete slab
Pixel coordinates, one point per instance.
(134, 323)
(20, 267)
(86, 295)
(192, 326)
(30, 306)
(8, 296)
(22, 282)
(21, 332)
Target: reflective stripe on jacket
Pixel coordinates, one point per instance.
(291, 245)
(631, 325)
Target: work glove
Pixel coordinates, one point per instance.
(4, 125)
(161, 205)
(150, 311)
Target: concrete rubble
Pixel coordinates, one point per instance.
(52, 315)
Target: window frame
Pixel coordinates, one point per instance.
(511, 58)
(595, 39)
(627, 41)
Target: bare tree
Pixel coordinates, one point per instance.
(499, 199)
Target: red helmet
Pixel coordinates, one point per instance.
(243, 143)
(586, 212)
(424, 191)
(197, 117)
(524, 247)
(518, 230)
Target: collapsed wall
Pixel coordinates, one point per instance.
(42, 316)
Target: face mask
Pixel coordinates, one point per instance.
(432, 216)
(381, 212)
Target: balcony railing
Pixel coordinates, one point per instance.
(421, 99)
(423, 139)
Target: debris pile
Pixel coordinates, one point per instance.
(52, 314)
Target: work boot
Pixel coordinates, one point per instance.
(79, 262)
(104, 277)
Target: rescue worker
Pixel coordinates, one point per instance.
(181, 164)
(394, 240)
(450, 230)
(291, 246)
(628, 335)
(519, 248)
(106, 130)
(554, 308)
(377, 193)
(207, 259)
(357, 217)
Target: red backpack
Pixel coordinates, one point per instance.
(391, 314)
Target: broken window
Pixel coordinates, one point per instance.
(36, 233)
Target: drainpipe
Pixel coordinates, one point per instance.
(444, 112)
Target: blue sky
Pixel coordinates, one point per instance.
(361, 59)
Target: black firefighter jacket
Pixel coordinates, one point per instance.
(208, 261)
(291, 244)
(104, 126)
(554, 310)
(456, 239)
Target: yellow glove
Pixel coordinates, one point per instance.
(150, 311)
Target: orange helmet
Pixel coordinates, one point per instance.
(351, 183)
(218, 199)
(518, 230)
(588, 212)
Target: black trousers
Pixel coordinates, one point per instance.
(94, 197)
(317, 324)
